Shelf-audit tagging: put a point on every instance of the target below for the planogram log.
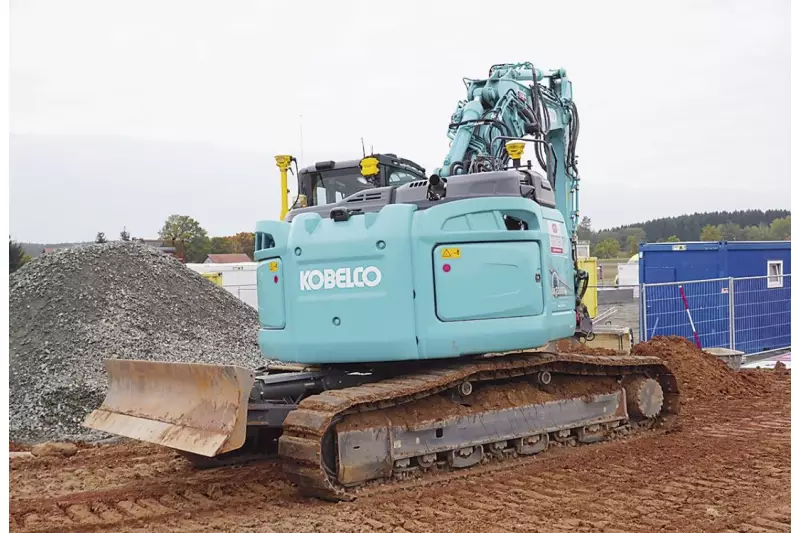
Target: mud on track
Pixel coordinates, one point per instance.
(725, 468)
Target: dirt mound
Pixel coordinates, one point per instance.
(772, 381)
(71, 309)
(701, 375)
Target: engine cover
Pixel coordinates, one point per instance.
(404, 283)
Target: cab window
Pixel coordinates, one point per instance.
(325, 196)
(399, 177)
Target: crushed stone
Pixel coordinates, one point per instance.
(71, 309)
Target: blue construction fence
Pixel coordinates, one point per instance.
(750, 314)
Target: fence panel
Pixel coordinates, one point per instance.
(665, 311)
(762, 313)
(748, 314)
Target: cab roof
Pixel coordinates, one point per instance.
(384, 159)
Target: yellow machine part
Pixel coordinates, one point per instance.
(515, 149)
(589, 264)
(214, 277)
(283, 162)
(196, 408)
(369, 166)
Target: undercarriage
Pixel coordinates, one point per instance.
(340, 432)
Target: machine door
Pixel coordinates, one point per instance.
(476, 281)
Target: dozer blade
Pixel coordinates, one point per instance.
(196, 408)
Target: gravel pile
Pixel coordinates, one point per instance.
(71, 309)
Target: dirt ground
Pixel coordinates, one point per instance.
(725, 467)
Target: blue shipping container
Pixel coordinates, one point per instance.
(760, 305)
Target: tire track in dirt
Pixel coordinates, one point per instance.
(186, 491)
(51, 476)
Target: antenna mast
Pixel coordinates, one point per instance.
(302, 158)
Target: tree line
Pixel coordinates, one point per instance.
(196, 242)
(750, 225)
(689, 227)
(622, 241)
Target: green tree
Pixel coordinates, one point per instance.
(673, 238)
(124, 235)
(761, 232)
(636, 232)
(731, 232)
(585, 229)
(220, 245)
(243, 242)
(16, 256)
(632, 245)
(195, 238)
(100, 238)
(781, 229)
(711, 233)
(607, 249)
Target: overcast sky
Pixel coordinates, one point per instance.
(123, 112)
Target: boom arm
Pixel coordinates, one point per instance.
(518, 100)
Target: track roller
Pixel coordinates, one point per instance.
(465, 457)
(531, 445)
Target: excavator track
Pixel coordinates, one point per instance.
(340, 443)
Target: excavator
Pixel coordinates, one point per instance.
(411, 324)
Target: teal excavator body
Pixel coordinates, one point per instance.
(409, 283)
(478, 258)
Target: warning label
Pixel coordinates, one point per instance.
(273, 266)
(451, 253)
(556, 238)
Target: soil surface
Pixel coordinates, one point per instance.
(725, 467)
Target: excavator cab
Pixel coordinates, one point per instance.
(328, 182)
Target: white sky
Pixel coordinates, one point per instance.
(684, 105)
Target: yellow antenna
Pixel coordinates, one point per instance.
(283, 162)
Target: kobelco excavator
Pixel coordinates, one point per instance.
(411, 324)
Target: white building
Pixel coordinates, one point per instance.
(238, 279)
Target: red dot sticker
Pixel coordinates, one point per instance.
(275, 279)
(446, 267)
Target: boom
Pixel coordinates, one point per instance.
(518, 100)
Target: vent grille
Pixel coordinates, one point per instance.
(366, 196)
